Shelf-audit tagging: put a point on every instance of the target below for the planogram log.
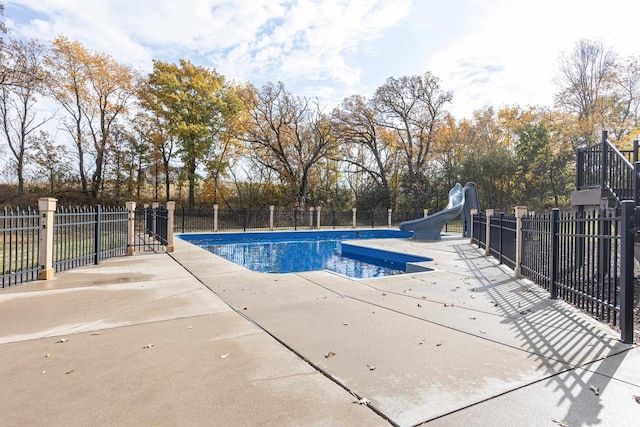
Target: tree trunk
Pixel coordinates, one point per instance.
(83, 177)
(97, 176)
(191, 177)
(167, 182)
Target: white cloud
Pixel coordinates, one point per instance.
(489, 52)
(258, 40)
(510, 54)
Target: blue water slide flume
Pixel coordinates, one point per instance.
(461, 201)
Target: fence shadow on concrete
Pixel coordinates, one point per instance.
(551, 330)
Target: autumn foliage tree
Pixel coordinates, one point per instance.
(195, 103)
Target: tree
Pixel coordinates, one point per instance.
(286, 134)
(67, 84)
(109, 89)
(585, 83)
(195, 103)
(367, 146)
(51, 160)
(412, 107)
(18, 99)
(624, 118)
(94, 90)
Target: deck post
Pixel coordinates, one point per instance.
(215, 218)
(47, 207)
(311, 218)
(389, 217)
(353, 217)
(604, 179)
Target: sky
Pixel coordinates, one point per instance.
(487, 52)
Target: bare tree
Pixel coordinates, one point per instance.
(363, 139)
(286, 134)
(412, 107)
(585, 83)
(18, 99)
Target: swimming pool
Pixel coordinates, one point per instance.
(295, 251)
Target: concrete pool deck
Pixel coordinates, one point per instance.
(189, 338)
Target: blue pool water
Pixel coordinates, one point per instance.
(286, 252)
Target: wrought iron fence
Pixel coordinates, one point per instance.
(151, 229)
(584, 257)
(204, 219)
(479, 235)
(86, 235)
(336, 219)
(19, 245)
(588, 262)
(400, 216)
(502, 239)
(536, 248)
(194, 220)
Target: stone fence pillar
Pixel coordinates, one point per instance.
(171, 208)
(47, 207)
(271, 209)
(131, 226)
(472, 212)
(318, 217)
(489, 214)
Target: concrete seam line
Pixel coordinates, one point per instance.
(292, 350)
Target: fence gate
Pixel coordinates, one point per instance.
(151, 229)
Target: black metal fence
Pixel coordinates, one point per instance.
(151, 229)
(86, 235)
(502, 239)
(585, 258)
(479, 232)
(202, 219)
(80, 236)
(536, 248)
(19, 245)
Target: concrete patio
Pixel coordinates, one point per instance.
(189, 338)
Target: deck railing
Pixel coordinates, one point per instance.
(604, 166)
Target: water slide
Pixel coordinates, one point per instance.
(461, 201)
